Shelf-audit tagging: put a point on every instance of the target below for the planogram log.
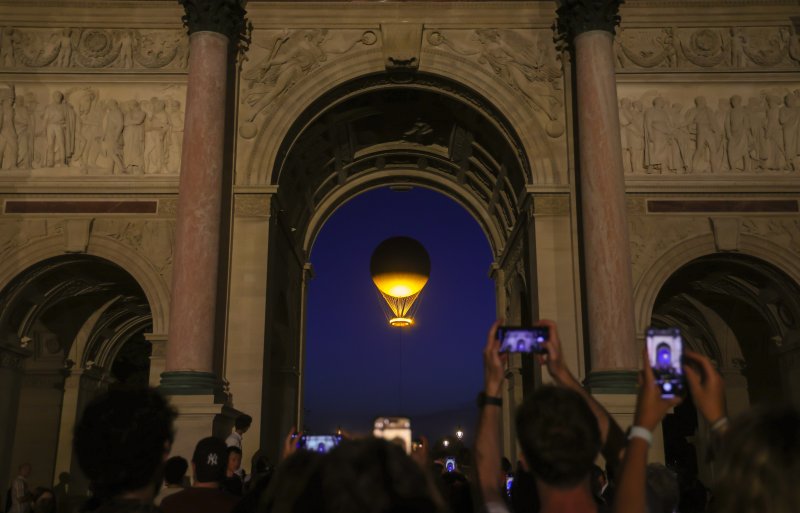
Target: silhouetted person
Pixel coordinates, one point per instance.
(174, 478)
(233, 483)
(21, 496)
(209, 462)
(121, 443)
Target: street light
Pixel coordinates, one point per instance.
(446, 442)
(459, 433)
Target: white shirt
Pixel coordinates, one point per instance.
(234, 440)
(19, 490)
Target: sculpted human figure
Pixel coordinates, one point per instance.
(632, 121)
(658, 137)
(790, 121)
(125, 59)
(291, 57)
(682, 141)
(737, 132)
(24, 123)
(701, 118)
(773, 136)
(175, 136)
(89, 138)
(112, 136)
(721, 117)
(155, 127)
(59, 120)
(757, 125)
(8, 136)
(133, 138)
(64, 42)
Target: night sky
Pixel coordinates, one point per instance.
(353, 357)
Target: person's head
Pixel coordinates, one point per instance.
(209, 460)
(242, 423)
(663, 492)
(760, 462)
(234, 460)
(559, 436)
(175, 471)
(456, 491)
(296, 486)
(379, 473)
(25, 469)
(123, 439)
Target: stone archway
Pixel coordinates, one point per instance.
(744, 313)
(376, 133)
(83, 318)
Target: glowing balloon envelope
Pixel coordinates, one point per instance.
(400, 268)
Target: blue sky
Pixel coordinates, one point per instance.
(357, 367)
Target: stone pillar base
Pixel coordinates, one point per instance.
(196, 419)
(622, 408)
(190, 383)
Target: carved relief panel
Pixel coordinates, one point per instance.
(73, 129)
(50, 49)
(707, 48)
(715, 128)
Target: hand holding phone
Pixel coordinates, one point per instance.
(517, 339)
(665, 353)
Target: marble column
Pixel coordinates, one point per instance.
(588, 26)
(188, 366)
(11, 361)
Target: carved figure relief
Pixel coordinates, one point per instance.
(153, 239)
(290, 56)
(707, 47)
(93, 48)
(83, 131)
(753, 135)
(530, 68)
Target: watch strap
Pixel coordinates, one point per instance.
(484, 400)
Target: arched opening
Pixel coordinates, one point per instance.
(83, 318)
(357, 366)
(744, 314)
(368, 134)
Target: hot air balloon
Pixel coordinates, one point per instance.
(400, 268)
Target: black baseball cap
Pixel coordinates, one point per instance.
(210, 460)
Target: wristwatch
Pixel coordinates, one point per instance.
(484, 399)
(640, 432)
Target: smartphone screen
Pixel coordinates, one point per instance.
(665, 351)
(523, 340)
(394, 429)
(318, 443)
(509, 484)
(450, 464)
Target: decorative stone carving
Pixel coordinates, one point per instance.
(528, 66)
(784, 232)
(222, 16)
(578, 16)
(757, 135)
(252, 205)
(82, 130)
(289, 57)
(153, 239)
(732, 48)
(93, 48)
(17, 233)
(651, 237)
(401, 46)
(551, 205)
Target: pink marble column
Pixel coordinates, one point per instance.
(190, 346)
(606, 247)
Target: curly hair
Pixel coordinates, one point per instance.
(559, 436)
(760, 462)
(121, 440)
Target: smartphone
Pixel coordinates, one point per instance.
(515, 339)
(450, 465)
(665, 351)
(318, 443)
(509, 484)
(394, 429)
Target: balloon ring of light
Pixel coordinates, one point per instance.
(401, 322)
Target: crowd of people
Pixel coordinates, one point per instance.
(124, 437)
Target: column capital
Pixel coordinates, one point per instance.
(225, 17)
(578, 16)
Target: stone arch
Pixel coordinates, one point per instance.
(271, 135)
(653, 279)
(153, 285)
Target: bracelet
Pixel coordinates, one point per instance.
(640, 432)
(484, 399)
(720, 424)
